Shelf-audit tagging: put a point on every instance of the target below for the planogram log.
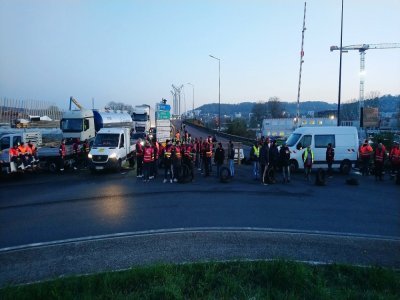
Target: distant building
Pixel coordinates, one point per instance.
(238, 115)
(284, 127)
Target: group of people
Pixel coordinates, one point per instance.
(80, 151)
(267, 159)
(23, 156)
(379, 157)
(180, 157)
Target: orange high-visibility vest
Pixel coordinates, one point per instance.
(148, 154)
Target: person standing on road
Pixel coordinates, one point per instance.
(330, 157)
(177, 160)
(379, 159)
(308, 159)
(84, 153)
(148, 159)
(139, 158)
(219, 158)
(62, 151)
(231, 158)
(207, 155)
(255, 158)
(167, 157)
(284, 157)
(76, 151)
(365, 155)
(264, 160)
(273, 160)
(394, 157)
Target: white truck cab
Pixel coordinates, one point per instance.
(112, 147)
(343, 139)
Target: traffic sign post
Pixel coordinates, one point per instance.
(163, 121)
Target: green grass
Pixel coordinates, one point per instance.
(233, 280)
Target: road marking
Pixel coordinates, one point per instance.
(201, 230)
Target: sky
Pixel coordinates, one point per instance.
(132, 51)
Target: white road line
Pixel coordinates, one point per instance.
(202, 230)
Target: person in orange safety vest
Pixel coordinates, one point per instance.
(394, 157)
(379, 159)
(365, 156)
(148, 159)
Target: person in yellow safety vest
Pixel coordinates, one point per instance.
(255, 158)
(207, 154)
(308, 159)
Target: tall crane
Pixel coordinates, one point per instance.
(362, 48)
(77, 104)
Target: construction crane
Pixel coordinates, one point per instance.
(362, 48)
(77, 104)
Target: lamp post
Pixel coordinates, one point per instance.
(340, 68)
(219, 91)
(193, 96)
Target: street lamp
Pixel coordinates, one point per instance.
(219, 91)
(340, 67)
(193, 96)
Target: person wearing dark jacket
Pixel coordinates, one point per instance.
(284, 158)
(264, 159)
(273, 159)
(219, 158)
(231, 158)
(330, 157)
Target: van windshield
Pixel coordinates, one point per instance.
(106, 140)
(292, 140)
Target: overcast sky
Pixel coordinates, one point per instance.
(132, 51)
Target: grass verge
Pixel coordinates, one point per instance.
(231, 280)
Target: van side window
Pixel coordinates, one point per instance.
(322, 141)
(305, 141)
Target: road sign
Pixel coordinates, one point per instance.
(163, 115)
(163, 123)
(165, 107)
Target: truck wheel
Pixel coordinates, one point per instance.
(293, 165)
(53, 167)
(225, 175)
(345, 167)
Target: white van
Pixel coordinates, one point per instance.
(343, 139)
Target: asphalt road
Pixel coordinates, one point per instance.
(57, 207)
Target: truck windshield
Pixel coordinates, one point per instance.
(292, 140)
(71, 125)
(106, 140)
(139, 117)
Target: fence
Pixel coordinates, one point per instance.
(14, 109)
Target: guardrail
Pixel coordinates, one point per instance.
(234, 138)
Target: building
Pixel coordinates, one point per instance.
(284, 127)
